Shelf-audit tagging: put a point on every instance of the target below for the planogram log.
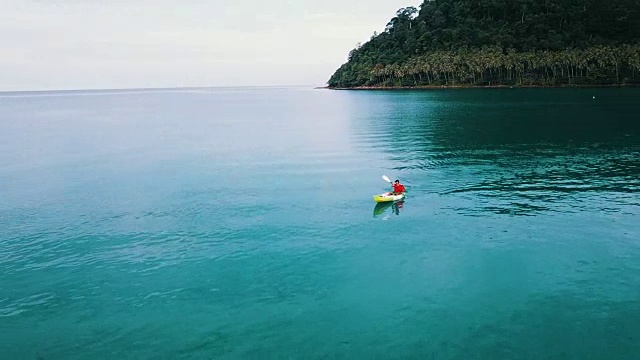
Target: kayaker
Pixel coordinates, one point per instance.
(398, 188)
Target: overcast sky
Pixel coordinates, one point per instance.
(91, 44)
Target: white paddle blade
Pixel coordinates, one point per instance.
(386, 178)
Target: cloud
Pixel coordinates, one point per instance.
(82, 44)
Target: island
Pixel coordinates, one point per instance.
(497, 43)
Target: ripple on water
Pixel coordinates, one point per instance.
(19, 306)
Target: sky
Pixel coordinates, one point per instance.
(115, 44)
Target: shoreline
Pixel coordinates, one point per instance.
(440, 87)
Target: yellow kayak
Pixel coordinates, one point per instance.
(386, 197)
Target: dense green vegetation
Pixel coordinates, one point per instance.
(501, 42)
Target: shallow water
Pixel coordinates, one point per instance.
(240, 223)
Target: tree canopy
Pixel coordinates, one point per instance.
(501, 42)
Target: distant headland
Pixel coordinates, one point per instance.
(500, 43)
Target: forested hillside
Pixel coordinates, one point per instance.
(501, 42)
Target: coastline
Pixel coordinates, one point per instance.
(441, 87)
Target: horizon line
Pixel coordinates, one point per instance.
(161, 88)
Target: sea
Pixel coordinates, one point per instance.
(239, 223)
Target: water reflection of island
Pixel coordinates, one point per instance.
(529, 153)
(395, 206)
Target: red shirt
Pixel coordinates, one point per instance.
(398, 188)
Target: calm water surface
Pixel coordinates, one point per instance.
(240, 223)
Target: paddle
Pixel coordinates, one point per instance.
(386, 179)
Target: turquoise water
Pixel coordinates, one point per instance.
(239, 223)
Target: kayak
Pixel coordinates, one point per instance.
(386, 197)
